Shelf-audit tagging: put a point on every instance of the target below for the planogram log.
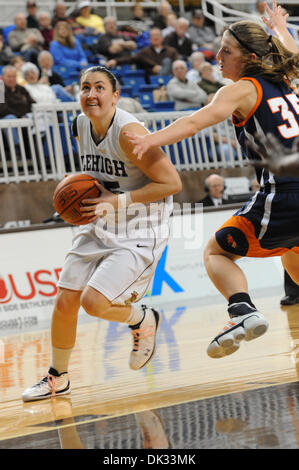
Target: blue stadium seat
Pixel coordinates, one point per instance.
(163, 106)
(133, 78)
(145, 94)
(160, 80)
(126, 91)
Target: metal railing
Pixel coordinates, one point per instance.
(42, 146)
(222, 15)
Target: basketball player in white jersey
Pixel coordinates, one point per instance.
(108, 269)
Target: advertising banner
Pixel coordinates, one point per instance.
(31, 262)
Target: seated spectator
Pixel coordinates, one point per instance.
(66, 49)
(40, 92)
(196, 59)
(139, 22)
(92, 23)
(171, 20)
(208, 82)
(156, 59)
(6, 53)
(160, 19)
(59, 13)
(183, 92)
(53, 79)
(17, 61)
(28, 41)
(179, 39)
(113, 44)
(17, 101)
(214, 186)
(31, 7)
(202, 36)
(46, 29)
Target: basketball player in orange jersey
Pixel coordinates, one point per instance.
(260, 99)
(107, 270)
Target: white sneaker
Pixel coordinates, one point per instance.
(53, 384)
(144, 337)
(247, 326)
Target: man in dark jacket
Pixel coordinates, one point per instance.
(179, 39)
(17, 101)
(214, 186)
(156, 59)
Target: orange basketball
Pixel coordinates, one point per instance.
(68, 196)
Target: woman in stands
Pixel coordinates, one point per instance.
(112, 259)
(260, 99)
(66, 49)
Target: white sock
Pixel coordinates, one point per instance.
(135, 316)
(60, 359)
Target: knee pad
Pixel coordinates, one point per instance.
(233, 240)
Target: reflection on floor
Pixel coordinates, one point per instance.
(267, 418)
(182, 400)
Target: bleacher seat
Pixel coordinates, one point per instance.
(133, 78)
(163, 106)
(145, 94)
(126, 91)
(160, 80)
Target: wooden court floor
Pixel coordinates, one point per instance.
(183, 398)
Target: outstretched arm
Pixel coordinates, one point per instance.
(224, 103)
(277, 22)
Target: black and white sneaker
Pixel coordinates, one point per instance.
(53, 384)
(246, 323)
(144, 338)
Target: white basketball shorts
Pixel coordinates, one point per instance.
(119, 268)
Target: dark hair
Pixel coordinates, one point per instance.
(274, 62)
(99, 68)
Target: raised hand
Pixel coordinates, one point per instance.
(277, 18)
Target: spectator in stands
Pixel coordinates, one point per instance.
(179, 39)
(6, 53)
(31, 7)
(17, 61)
(183, 92)
(28, 41)
(59, 13)
(214, 186)
(195, 60)
(208, 82)
(139, 21)
(202, 36)
(171, 22)
(160, 20)
(40, 92)
(46, 29)
(113, 44)
(66, 49)
(93, 24)
(53, 79)
(156, 59)
(17, 102)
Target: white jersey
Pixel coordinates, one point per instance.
(118, 263)
(107, 161)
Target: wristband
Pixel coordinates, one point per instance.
(124, 200)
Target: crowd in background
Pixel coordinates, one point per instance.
(35, 49)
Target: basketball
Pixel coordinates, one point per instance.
(69, 194)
